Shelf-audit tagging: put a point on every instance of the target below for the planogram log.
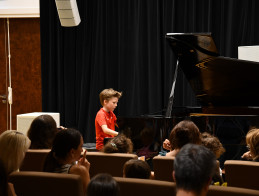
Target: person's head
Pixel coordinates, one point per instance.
(118, 144)
(13, 146)
(42, 132)
(252, 141)
(109, 98)
(183, 133)
(211, 142)
(103, 185)
(147, 136)
(135, 168)
(67, 145)
(194, 167)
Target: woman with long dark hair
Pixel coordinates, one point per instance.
(42, 132)
(65, 154)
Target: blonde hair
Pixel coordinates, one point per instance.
(13, 146)
(107, 94)
(252, 139)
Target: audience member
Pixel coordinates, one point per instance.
(183, 133)
(135, 168)
(64, 156)
(42, 132)
(118, 144)
(252, 141)
(149, 147)
(103, 185)
(212, 143)
(194, 167)
(13, 146)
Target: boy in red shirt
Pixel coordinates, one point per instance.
(105, 119)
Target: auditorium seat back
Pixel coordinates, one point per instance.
(140, 187)
(242, 174)
(231, 191)
(135, 186)
(34, 160)
(28, 183)
(163, 168)
(111, 163)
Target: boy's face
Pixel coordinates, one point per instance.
(111, 104)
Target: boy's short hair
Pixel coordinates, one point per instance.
(194, 166)
(135, 168)
(107, 94)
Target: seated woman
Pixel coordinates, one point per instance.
(252, 141)
(13, 146)
(64, 156)
(135, 168)
(183, 133)
(103, 185)
(118, 144)
(42, 132)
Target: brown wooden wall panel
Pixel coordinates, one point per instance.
(25, 65)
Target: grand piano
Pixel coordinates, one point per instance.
(225, 89)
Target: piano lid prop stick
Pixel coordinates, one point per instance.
(171, 97)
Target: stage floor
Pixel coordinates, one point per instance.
(89, 146)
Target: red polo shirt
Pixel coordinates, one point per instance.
(103, 118)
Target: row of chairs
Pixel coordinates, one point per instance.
(237, 173)
(132, 186)
(111, 163)
(52, 184)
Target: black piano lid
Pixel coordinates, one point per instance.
(217, 81)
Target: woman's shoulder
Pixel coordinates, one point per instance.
(77, 169)
(63, 168)
(171, 153)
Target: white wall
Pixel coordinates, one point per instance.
(249, 53)
(19, 8)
